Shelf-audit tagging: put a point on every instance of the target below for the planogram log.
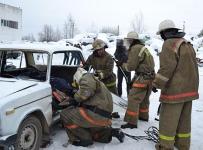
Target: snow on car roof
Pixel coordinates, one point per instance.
(38, 47)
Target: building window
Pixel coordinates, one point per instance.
(2, 22)
(9, 23)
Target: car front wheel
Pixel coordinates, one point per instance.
(29, 134)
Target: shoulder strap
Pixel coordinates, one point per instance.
(142, 51)
(176, 45)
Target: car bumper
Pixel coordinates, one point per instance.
(7, 142)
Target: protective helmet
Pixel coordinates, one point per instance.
(166, 24)
(78, 74)
(132, 35)
(98, 44)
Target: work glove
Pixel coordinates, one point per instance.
(73, 102)
(154, 89)
(99, 74)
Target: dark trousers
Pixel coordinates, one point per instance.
(120, 77)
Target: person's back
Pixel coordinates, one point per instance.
(99, 96)
(141, 61)
(122, 56)
(91, 113)
(121, 52)
(178, 80)
(182, 68)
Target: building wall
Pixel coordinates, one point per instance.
(9, 17)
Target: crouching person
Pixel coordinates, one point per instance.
(88, 119)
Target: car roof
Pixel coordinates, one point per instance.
(38, 47)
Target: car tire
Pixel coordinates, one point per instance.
(29, 134)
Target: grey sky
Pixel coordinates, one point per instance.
(36, 13)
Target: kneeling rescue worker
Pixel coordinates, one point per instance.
(88, 118)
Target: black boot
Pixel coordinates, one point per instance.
(143, 119)
(83, 143)
(118, 134)
(128, 125)
(115, 115)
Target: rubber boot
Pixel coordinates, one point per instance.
(128, 125)
(118, 134)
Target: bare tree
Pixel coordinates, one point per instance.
(137, 23)
(113, 30)
(58, 35)
(70, 28)
(93, 28)
(65, 30)
(47, 34)
(201, 33)
(29, 37)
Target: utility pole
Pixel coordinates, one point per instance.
(118, 30)
(183, 26)
(73, 28)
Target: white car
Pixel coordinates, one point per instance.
(26, 93)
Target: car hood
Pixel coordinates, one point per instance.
(12, 86)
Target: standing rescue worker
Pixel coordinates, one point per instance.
(122, 56)
(103, 64)
(89, 117)
(141, 61)
(178, 80)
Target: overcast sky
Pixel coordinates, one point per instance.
(99, 13)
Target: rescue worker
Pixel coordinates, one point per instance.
(102, 62)
(88, 118)
(178, 80)
(121, 55)
(141, 61)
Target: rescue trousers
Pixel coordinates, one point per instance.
(138, 103)
(175, 126)
(83, 125)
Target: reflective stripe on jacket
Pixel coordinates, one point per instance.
(178, 76)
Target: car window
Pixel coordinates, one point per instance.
(25, 65)
(14, 60)
(40, 58)
(69, 58)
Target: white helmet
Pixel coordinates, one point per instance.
(132, 35)
(98, 44)
(78, 74)
(166, 24)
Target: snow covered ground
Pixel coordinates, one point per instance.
(59, 136)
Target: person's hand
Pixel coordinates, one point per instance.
(73, 102)
(99, 74)
(154, 89)
(69, 102)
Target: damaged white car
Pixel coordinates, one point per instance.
(26, 92)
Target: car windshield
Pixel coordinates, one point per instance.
(29, 65)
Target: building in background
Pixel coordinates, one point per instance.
(10, 23)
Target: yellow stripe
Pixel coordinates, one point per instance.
(186, 135)
(141, 51)
(110, 84)
(167, 138)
